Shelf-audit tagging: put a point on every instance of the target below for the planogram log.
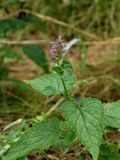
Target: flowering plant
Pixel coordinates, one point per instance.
(85, 120)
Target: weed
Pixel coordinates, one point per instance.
(85, 120)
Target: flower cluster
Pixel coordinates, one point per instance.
(58, 49)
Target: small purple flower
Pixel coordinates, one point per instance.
(58, 48)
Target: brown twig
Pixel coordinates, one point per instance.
(104, 42)
(23, 42)
(54, 107)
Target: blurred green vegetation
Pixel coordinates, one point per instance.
(98, 17)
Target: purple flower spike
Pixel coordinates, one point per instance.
(58, 48)
(53, 50)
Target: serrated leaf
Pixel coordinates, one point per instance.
(41, 136)
(36, 53)
(86, 119)
(67, 137)
(112, 114)
(51, 84)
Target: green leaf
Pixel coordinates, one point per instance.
(82, 156)
(31, 19)
(51, 84)
(10, 24)
(67, 137)
(109, 152)
(22, 20)
(20, 85)
(36, 53)
(41, 136)
(86, 119)
(112, 114)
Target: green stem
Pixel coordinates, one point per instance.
(66, 94)
(64, 86)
